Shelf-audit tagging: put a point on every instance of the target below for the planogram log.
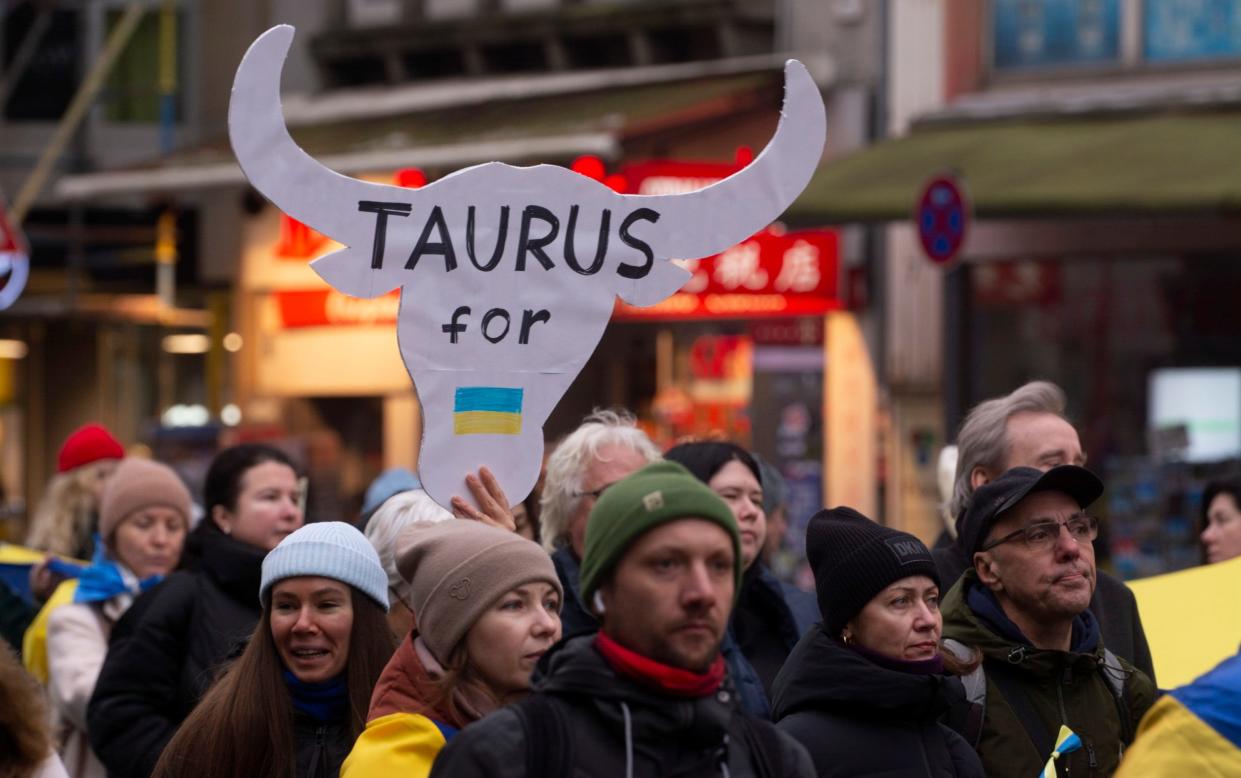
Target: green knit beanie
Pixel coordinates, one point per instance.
(657, 494)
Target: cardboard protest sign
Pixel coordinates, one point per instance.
(508, 275)
(1192, 619)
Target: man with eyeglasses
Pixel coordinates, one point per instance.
(1024, 605)
(606, 447)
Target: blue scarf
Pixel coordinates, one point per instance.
(982, 601)
(324, 701)
(104, 578)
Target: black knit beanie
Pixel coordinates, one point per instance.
(854, 558)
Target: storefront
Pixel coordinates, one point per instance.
(1103, 257)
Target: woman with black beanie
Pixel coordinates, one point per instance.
(865, 689)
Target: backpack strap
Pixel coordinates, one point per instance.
(548, 745)
(766, 748)
(966, 717)
(976, 682)
(1015, 695)
(1115, 674)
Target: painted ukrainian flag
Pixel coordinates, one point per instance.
(487, 410)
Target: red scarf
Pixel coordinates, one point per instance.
(671, 680)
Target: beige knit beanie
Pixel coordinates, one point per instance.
(458, 569)
(137, 484)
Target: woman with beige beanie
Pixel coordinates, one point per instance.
(143, 520)
(487, 607)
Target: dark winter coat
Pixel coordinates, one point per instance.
(615, 727)
(1058, 687)
(859, 719)
(15, 617)
(321, 746)
(575, 616)
(168, 648)
(766, 623)
(1113, 606)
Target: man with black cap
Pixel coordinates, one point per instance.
(1024, 605)
(648, 694)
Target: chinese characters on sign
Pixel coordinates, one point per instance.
(771, 274)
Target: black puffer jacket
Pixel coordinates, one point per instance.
(613, 727)
(859, 719)
(168, 648)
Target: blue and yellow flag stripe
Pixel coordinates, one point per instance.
(1066, 741)
(1191, 731)
(487, 410)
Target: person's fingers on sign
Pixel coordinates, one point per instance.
(493, 506)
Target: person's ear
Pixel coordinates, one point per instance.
(988, 570)
(847, 635)
(979, 476)
(222, 518)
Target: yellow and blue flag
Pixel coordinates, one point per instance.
(487, 410)
(1194, 730)
(1066, 741)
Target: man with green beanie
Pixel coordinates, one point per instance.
(649, 694)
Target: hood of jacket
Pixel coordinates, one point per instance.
(974, 617)
(404, 686)
(824, 675)
(236, 567)
(577, 669)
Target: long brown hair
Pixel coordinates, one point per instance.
(459, 675)
(244, 724)
(24, 737)
(955, 665)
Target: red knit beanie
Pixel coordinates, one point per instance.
(88, 443)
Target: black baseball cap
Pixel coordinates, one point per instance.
(992, 499)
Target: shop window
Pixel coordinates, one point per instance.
(1055, 33)
(1190, 30)
(51, 76)
(132, 93)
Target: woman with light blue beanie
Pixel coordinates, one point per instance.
(295, 700)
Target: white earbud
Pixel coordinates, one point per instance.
(598, 602)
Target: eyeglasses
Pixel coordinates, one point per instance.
(596, 493)
(1042, 535)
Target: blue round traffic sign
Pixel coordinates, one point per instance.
(942, 216)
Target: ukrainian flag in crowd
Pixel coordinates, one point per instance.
(1066, 741)
(1191, 731)
(486, 410)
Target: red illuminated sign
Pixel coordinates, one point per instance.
(771, 274)
(324, 307)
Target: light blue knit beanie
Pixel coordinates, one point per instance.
(331, 549)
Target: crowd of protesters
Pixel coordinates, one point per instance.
(645, 636)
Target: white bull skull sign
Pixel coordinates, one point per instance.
(508, 275)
